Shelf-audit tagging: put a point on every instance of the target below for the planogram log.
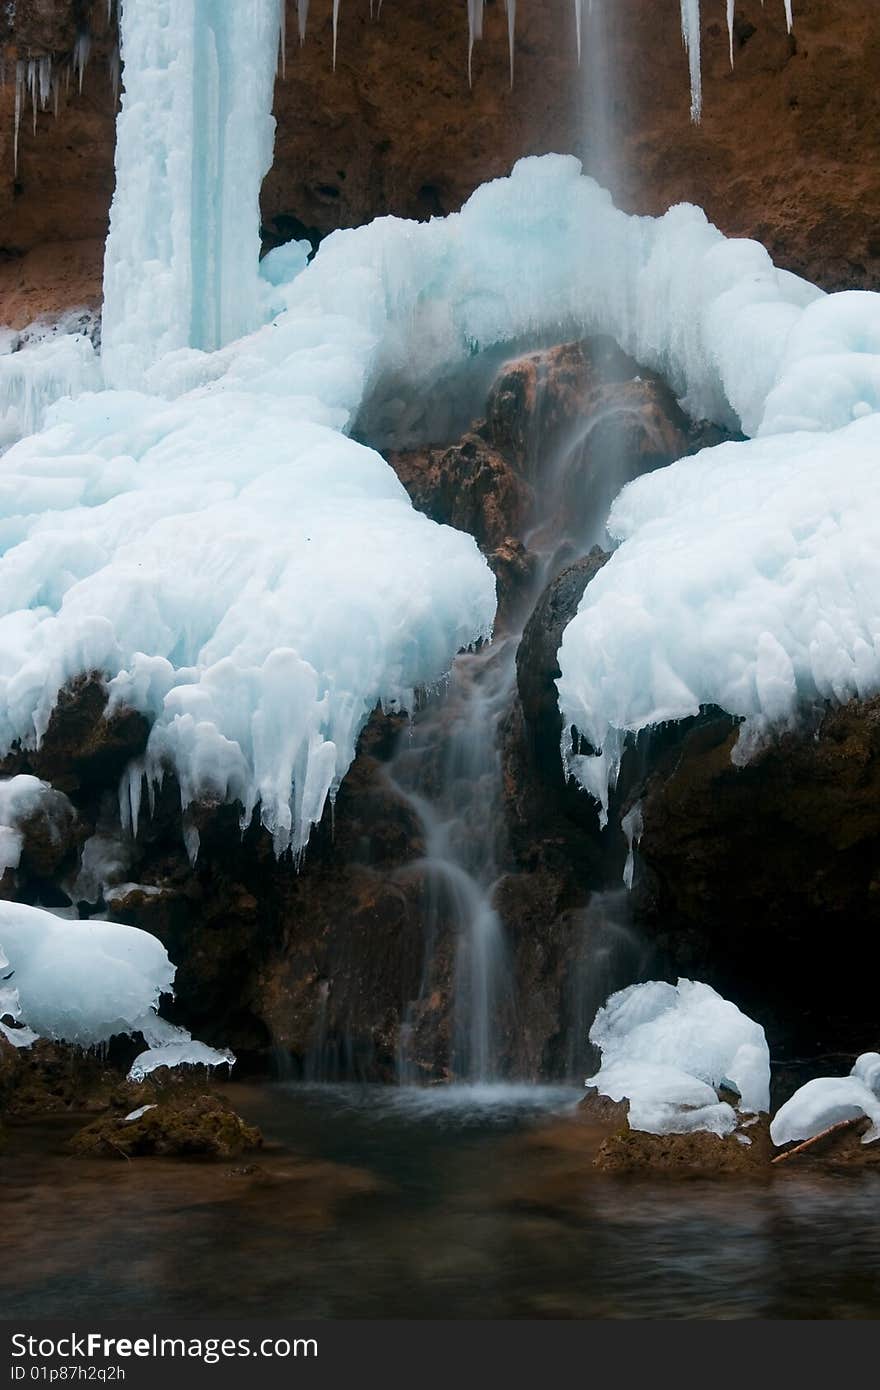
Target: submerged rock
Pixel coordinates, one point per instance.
(190, 1125)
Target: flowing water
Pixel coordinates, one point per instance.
(444, 1202)
(449, 767)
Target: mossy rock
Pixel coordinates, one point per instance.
(194, 1125)
(687, 1155)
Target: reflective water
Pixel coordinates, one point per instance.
(466, 1202)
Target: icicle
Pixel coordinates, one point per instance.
(690, 31)
(302, 18)
(45, 81)
(115, 67)
(475, 31)
(578, 14)
(789, 18)
(730, 4)
(282, 38)
(81, 50)
(335, 29)
(510, 6)
(19, 92)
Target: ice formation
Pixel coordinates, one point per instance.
(194, 140)
(748, 577)
(690, 30)
(39, 366)
(22, 799)
(170, 1046)
(827, 1100)
(82, 982)
(667, 1049)
(86, 982)
(120, 517)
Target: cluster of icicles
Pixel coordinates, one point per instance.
(40, 79)
(690, 29)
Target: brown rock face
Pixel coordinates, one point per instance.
(763, 879)
(785, 151)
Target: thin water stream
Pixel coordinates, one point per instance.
(449, 767)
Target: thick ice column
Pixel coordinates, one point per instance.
(194, 142)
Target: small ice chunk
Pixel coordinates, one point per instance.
(133, 1115)
(632, 826)
(828, 1100)
(190, 1054)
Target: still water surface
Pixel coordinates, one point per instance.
(461, 1202)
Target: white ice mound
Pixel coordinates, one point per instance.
(86, 982)
(253, 582)
(668, 1048)
(827, 1100)
(748, 577)
(81, 982)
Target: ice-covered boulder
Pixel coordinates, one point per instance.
(827, 1100)
(84, 982)
(667, 1049)
(81, 982)
(34, 819)
(747, 578)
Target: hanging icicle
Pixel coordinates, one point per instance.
(302, 19)
(510, 6)
(475, 31)
(690, 32)
(19, 90)
(578, 21)
(282, 39)
(336, 4)
(81, 50)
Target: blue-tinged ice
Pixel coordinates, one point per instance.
(667, 1049)
(194, 141)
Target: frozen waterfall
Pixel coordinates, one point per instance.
(194, 142)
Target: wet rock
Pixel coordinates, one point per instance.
(603, 1110)
(540, 402)
(51, 1078)
(537, 666)
(50, 838)
(629, 1151)
(83, 745)
(774, 862)
(470, 486)
(198, 1126)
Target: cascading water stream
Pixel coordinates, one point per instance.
(449, 767)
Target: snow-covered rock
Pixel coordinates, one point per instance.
(747, 577)
(24, 802)
(827, 1100)
(668, 1048)
(85, 982)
